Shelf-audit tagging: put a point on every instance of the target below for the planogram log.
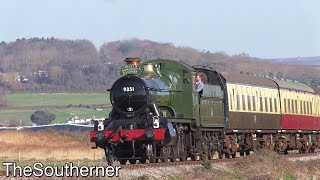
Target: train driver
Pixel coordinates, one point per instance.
(198, 84)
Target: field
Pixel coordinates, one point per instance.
(55, 99)
(20, 106)
(7, 116)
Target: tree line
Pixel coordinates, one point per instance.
(50, 64)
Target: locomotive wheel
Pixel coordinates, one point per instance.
(153, 159)
(164, 159)
(247, 152)
(174, 154)
(195, 157)
(165, 154)
(301, 151)
(132, 161)
(210, 155)
(123, 161)
(143, 160)
(173, 159)
(183, 157)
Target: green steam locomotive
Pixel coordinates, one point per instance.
(157, 115)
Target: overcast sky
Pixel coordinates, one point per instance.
(261, 28)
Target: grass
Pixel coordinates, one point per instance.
(61, 114)
(262, 164)
(203, 173)
(55, 99)
(47, 146)
(269, 165)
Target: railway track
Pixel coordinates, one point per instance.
(214, 161)
(173, 164)
(291, 157)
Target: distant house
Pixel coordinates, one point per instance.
(84, 121)
(40, 74)
(21, 79)
(99, 109)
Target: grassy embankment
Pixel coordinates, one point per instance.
(50, 147)
(53, 99)
(76, 104)
(260, 165)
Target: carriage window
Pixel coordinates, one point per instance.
(275, 105)
(243, 102)
(266, 103)
(230, 100)
(238, 102)
(285, 105)
(310, 108)
(271, 109)
(249, 103)
(289, 107)
(261, 104)
(304, 107)
(301, 112)
(254, 103)
(307, 107)
(296, 105)
(292, 104)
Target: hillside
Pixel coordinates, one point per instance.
(39, 64)
(312, 61)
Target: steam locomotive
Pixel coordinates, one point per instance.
(158, 116)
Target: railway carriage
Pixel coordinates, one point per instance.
(316, 101)
(158, 115)
(253, 103)
(298, 106)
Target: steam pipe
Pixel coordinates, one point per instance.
(155, 109)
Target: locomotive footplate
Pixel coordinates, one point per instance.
(129, 135)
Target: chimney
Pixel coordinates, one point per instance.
(132, 61)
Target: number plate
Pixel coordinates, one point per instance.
(128, 89)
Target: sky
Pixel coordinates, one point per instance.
(260, 28)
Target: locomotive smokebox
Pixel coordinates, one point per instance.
(133, 61)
